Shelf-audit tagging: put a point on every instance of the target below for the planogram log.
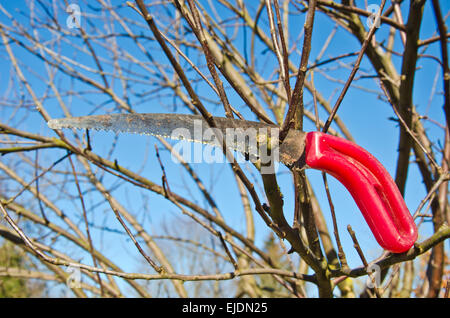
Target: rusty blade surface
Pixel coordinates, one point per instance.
(240, 135)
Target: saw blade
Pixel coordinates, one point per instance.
(240, 135)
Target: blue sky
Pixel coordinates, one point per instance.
(366, 116)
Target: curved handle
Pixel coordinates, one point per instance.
(370, 185)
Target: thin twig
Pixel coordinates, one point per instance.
(296, 104)
(41, 208)
(284, 48)
(354, 70)
(86, 223)
(447, 289)
(281, 53)
(133, 276)
(225, 247)
(37, 177)
(363, 258)
(445, 58)
(341, 253)
(402, 121)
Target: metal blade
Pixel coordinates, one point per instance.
(246, 136)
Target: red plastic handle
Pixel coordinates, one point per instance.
(370, 185)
